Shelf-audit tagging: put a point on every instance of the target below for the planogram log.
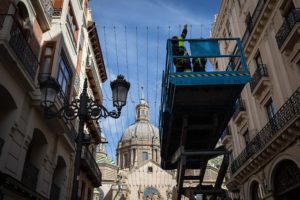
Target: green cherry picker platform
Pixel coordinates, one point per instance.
(196, 108)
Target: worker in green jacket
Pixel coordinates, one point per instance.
(178, 49)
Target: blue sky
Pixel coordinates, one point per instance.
(144, 26)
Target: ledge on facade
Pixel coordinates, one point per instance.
(277, 134)
(11, 185)
(44, 10)
(93, 35)
(289, 32)
(94, 81)
(226, 136)
(90, 167)
(94, 130)
(260, 81)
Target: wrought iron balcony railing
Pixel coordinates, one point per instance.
(252, 22)
(285, 114)
(30, 175)
(240, 106)
(259, 73)
(91, 166)
(19, 43)
(287, 26)
(48, 8)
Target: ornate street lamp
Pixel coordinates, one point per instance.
(85, 109)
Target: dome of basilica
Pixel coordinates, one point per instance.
(142, 129)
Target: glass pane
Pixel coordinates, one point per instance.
(48, 51)
(46, 65)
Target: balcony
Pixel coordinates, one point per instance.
(277, 134)
(288, 33)
(90, 167)
(44, 10)
(226, 136)
(11, 185)
(94, 80)
(30, 175)
(16, 51)
(260, 80)
(239, 114)
(256, 24)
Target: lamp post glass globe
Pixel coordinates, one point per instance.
(120, 88)
(49, 89)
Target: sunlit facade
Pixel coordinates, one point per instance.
(263, 134)
(38, 39)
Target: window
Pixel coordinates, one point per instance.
(258, 60)
(72, 25)
(246, 137)
(125, 160)
(150, 169)
(248, 22)
(286, 8)
(228, 28)
(239, 3)
(256, 191)
(270, 109)
(47, 57)
(145, 155)
(64, 77)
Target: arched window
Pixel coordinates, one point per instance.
(58, 179)
(256, 191)
(34, 159)
(286, 180)
(151, 193)
(22, 16)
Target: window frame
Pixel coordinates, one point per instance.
(258, 59)
(72, 24)
(63, 58)
(47, 44)
(270, 112)
(246, 137)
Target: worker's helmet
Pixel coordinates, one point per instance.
(174, 40)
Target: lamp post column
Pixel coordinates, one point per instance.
(83, 110)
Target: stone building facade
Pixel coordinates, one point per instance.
(39, 39)
(263, 134)
(138, 174)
